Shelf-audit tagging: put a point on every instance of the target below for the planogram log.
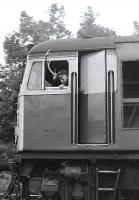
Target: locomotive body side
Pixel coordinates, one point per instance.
(47, 111)
(80, 140)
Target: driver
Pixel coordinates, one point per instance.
(61, 79)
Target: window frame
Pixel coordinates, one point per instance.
(72, 59)
(126, 100)
(70, 56)
(44, 71)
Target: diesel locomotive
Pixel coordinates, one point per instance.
(77, 132)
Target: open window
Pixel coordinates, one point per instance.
(130, 72)
(56, 74)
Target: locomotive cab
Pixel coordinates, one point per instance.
(78, 119)
(71, 116)
(96, 108)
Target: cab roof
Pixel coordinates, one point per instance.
(97, 43)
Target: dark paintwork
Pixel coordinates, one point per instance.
(92, 127)
(91, 155)
(74, 45)
(47, 122)
(98, 43)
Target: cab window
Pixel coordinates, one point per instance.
(35, 79)
(56, 74)
(130, 70)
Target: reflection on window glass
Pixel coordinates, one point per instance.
(56, 74)
(130, 79)
(35, 79)
(93, 73)
(131, 115)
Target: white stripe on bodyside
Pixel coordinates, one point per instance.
(20, 142)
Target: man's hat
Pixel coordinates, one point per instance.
(63, 72)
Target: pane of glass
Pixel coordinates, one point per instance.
(93, 75)
(131, 115)
(131, 90)
(56, 74)
(35, 79)
(130, 79)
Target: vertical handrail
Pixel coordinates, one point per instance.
(116, 185)
(97, 184)
(74, 109)
(111, 107)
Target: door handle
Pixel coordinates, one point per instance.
(83, 92)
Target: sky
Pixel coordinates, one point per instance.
(115, 14)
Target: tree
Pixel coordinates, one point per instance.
(88, 28)
(56, 21)
(31, 31)
(26, 27)
(10, 79)
(14, 49)
(15, 44)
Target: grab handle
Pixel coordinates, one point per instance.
(111, 107)
(74, 109)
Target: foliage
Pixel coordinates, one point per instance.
(88, 28)
(39, 31)
(31, 31)
(57, 26)
(5, 179)
(14, 48)
(10, 79)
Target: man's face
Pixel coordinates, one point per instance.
(63, 78)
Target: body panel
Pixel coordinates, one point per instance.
(125, 138)
(47, 122)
